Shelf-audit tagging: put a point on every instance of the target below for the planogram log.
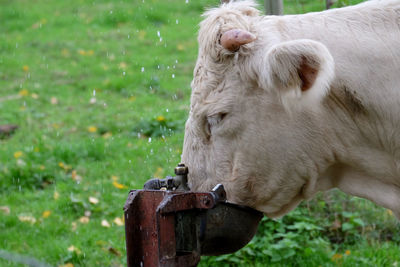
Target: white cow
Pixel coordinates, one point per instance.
(284, 107)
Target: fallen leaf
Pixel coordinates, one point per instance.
(21, 163)
(114, 251)
(46, 214)
(27, 218)
(74, 249)
(5, 209)
(84, 219)
(104, 223)
(107, 135)
(118, 221)
(75, 176)
(54, 100)
(74, 225)
(93, 200)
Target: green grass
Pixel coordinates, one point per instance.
(100, 91)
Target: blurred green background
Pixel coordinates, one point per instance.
(100, 92)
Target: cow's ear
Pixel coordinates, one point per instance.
(301, 71)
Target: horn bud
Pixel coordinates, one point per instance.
(233, 39)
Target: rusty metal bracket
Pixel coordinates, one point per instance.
(174, 228)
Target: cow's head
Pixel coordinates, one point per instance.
(253, 97)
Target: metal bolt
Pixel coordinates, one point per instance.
(206, 201)
(181, 169)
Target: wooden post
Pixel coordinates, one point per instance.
(273, 7)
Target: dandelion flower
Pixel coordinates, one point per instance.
(18, 154)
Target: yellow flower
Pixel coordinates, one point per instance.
(82, 52)
(46, 213)
(160, 118)
(159, 172)
(142, 34)
(347, 252)
(114, 178)
(65, 52)
(18, 154)
(61, 164)
(336, 257)
(25, 68)
(66, 265)
(90, 53)
(23, 92)
(118, 185)
(92, 129)
(180, 47)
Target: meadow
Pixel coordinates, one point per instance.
(100, 92)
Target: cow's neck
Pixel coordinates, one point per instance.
(364, 147)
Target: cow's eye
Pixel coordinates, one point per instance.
(213, 121)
